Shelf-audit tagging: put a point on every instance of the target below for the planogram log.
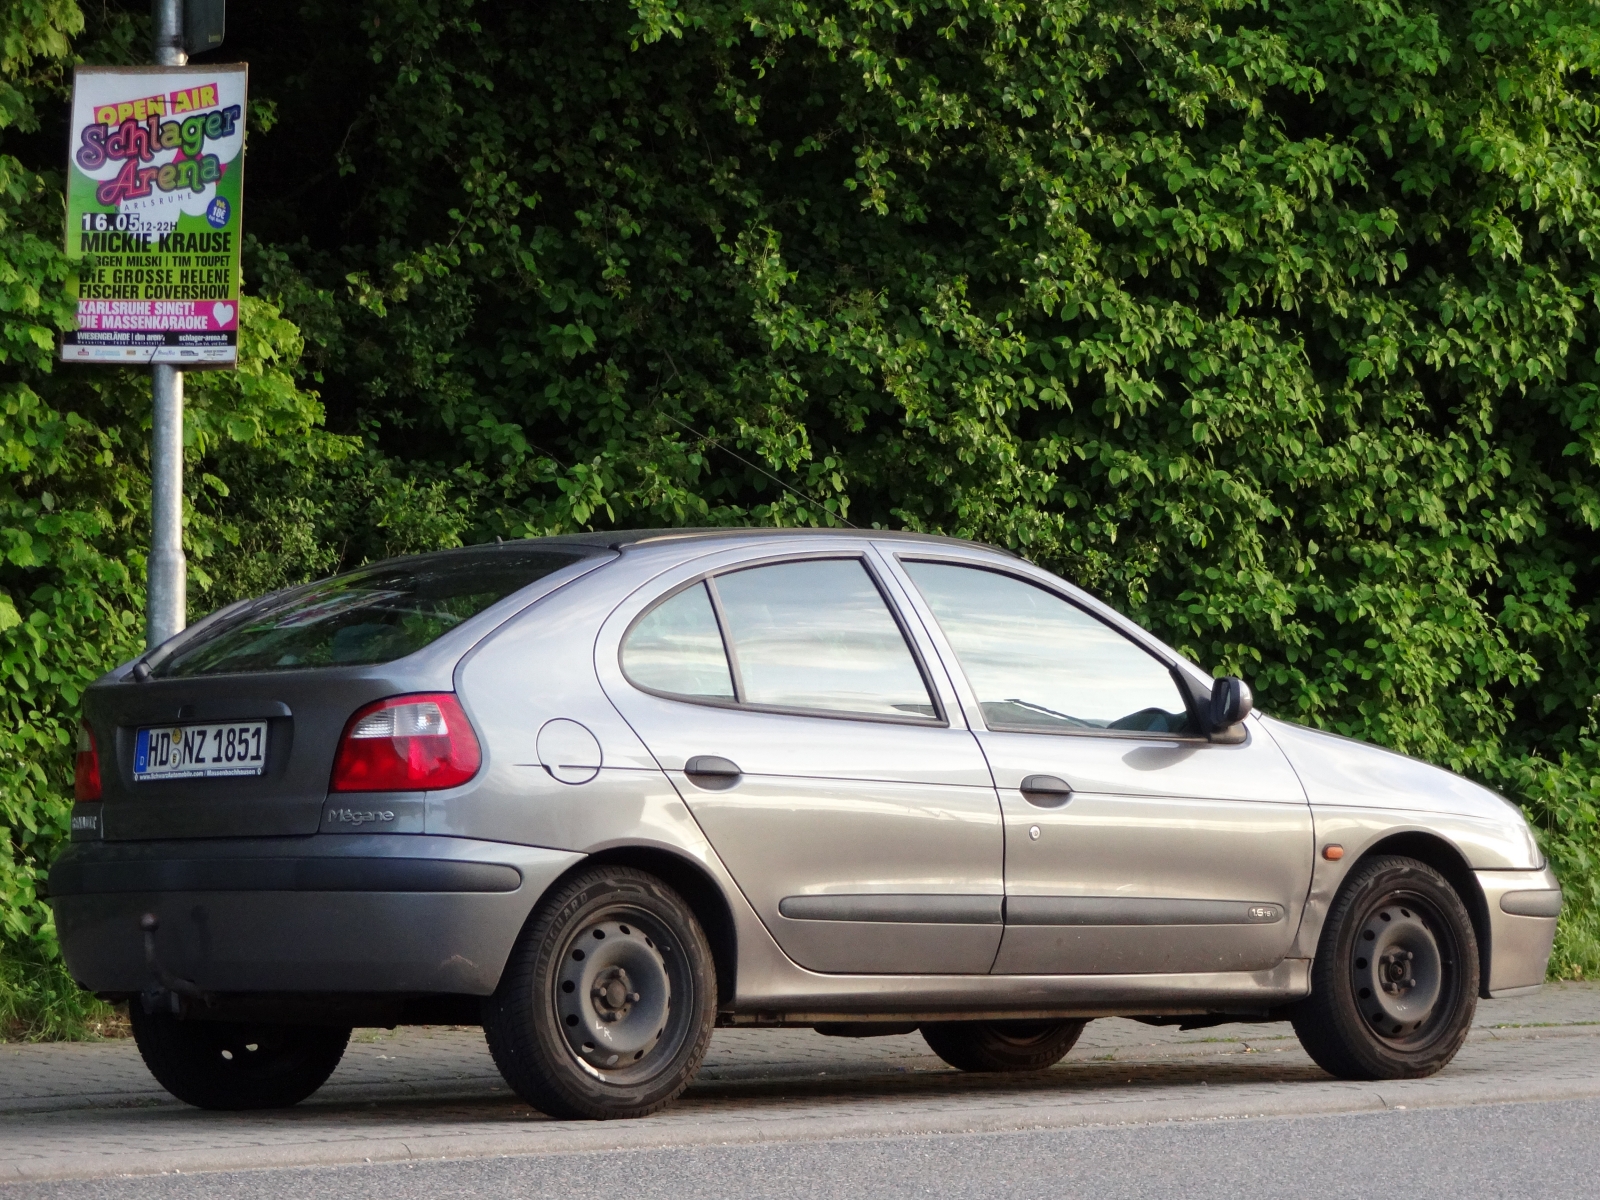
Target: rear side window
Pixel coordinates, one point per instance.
(818, 635)
(809, 636)
(369, 616)
(677, 648)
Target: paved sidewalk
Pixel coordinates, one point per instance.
(73, 1111)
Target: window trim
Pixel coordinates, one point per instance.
(730, 652)
(1173, 670)
(939, 719)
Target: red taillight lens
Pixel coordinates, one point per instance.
(407, 744)
(86, 771)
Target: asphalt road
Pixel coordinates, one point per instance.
(1510, 1150)
(1230, 1111)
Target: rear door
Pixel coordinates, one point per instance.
(1133, 845)
(801, 722)
(289, 673)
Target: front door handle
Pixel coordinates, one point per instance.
(712, 771)
(1046, 791)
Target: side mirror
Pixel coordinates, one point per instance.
(1231, 702)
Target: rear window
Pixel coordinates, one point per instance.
(369, 616)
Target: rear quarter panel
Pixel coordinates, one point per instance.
(540, 668)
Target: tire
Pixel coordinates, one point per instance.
(606, 1006)
(1002, 1045)
(1395, 983)
(236, 1066)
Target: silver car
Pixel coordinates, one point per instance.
(603, 793)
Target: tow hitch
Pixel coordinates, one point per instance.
(167, 991)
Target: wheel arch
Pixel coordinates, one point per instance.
(691, 881)
(1446, 859)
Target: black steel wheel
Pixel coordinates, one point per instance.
(1002, 1045)
(1395, 983)
(607, 1004)
(236, 1066)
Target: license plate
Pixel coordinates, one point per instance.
(200, 751)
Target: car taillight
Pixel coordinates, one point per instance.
(407, 744)
(86, 770)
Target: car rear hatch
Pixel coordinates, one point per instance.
(272, 685)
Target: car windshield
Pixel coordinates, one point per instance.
(373, 615)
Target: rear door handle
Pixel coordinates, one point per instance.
(1046, 791)
(712, 770)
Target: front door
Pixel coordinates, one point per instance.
(814, 746)
(1133, 845)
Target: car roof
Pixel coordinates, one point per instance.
(623, 539)
(592, 544)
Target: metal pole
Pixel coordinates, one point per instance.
(166, 601)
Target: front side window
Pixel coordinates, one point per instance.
(1040, 664)
(814, 635)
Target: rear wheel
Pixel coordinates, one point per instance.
(607, 1004)
(1395, 983)
(1002, 1045)
(223, 1065)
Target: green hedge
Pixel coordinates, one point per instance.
(1274, 323)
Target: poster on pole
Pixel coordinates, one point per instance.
(154, 201)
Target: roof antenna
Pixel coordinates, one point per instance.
(754, 467)
(497, 539)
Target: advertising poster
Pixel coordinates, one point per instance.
(154, 201)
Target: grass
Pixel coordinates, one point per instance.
(1576, 954)
(40, 1003)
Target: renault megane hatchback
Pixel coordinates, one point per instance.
(602, 793)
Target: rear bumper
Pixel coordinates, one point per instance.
(328, 913)
(1519, 941)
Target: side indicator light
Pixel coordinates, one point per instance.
(1333, 852)
(407, 744)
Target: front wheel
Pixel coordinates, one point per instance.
(1002, 1045)
(236, 1066)
(607, 1004)
(1395, 983)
